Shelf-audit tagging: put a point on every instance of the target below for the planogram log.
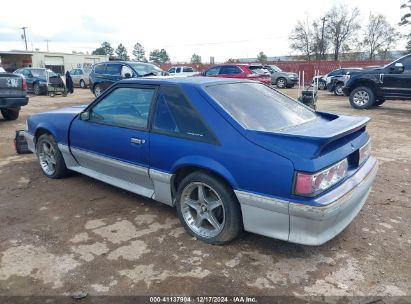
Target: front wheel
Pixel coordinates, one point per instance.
(82, 84)
(281, 83)
(50, 158)
(362, 98)
(10, 114)
(208, 209)
(98, 90)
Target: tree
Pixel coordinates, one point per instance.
(342, 26)
(406, 19)
(231, 60)
(379, 36)
(104, 49)
(159, 56)
(301, 38)
(121, 52)
(320, 38)
(139, 53)
(261, 57)
(195, 59)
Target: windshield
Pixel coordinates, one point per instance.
(276, 68)
(260, 108)
(42, 73)
(144, 69)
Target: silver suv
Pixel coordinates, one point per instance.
(281, 79)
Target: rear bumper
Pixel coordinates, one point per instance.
(13, 102)
(305, 224)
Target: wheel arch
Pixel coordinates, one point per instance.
(363, 83)
(208, 166)
(42, 130)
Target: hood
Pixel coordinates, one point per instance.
(290, 74)
(368, 70)
(327, 139)
(69, 110)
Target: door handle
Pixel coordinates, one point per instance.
(381, 78)
(137, 141)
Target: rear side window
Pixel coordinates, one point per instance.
(175, 116)
(188, 69)
(113, 69)
(230, 69)
(100, 69)
(258, 107)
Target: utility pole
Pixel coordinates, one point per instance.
(47, 41)
(322, 39)
(24, 34)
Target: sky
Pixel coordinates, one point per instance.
(220, 28)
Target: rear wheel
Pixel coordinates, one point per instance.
(208, 209)
(82, 84)
(322, 85)
(10, 114)
(36, 89)
(98, 90)
(50, 158)
(281, 83)
(362, 98)
(379, 102)
(338, 91)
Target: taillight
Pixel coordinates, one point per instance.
(364, 152)
(253, 75)
(310, 184)
(24, 84)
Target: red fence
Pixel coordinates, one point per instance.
(308, 67)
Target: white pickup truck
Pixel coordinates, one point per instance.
(183, 71)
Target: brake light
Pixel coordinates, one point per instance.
(24, 84)
(310, 184)
(364, 152)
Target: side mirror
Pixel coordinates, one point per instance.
(127, 75)
(398, 68)
(85, 116)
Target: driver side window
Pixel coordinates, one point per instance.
(213, 71)
(407, 65)
(124, 107)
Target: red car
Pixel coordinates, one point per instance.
(242, 71)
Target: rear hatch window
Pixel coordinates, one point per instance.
(260, 108)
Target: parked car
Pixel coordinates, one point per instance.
(183, 71)
(81, 77)
(36, 79)
(373, 86)
(280, 78)
(229, 154)
(105, 74)
(238, 71)
(13, 94)
(335, 80)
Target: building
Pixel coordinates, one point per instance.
(57, 62)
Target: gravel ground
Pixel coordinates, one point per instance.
(61, 236)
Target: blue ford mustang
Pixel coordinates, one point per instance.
(228, 154)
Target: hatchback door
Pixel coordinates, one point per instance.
(113, 143)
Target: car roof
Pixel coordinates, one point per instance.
(195, 81)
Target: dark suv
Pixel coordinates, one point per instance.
(105, 74)
(373, 86)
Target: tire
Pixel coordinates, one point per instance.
(196, 216)
(51, 160)
(98, 90)
(82, 84)
(362, 98)
(36, 89)
(322, 85)
(281, 83)
(338, 91)
(10, 114)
